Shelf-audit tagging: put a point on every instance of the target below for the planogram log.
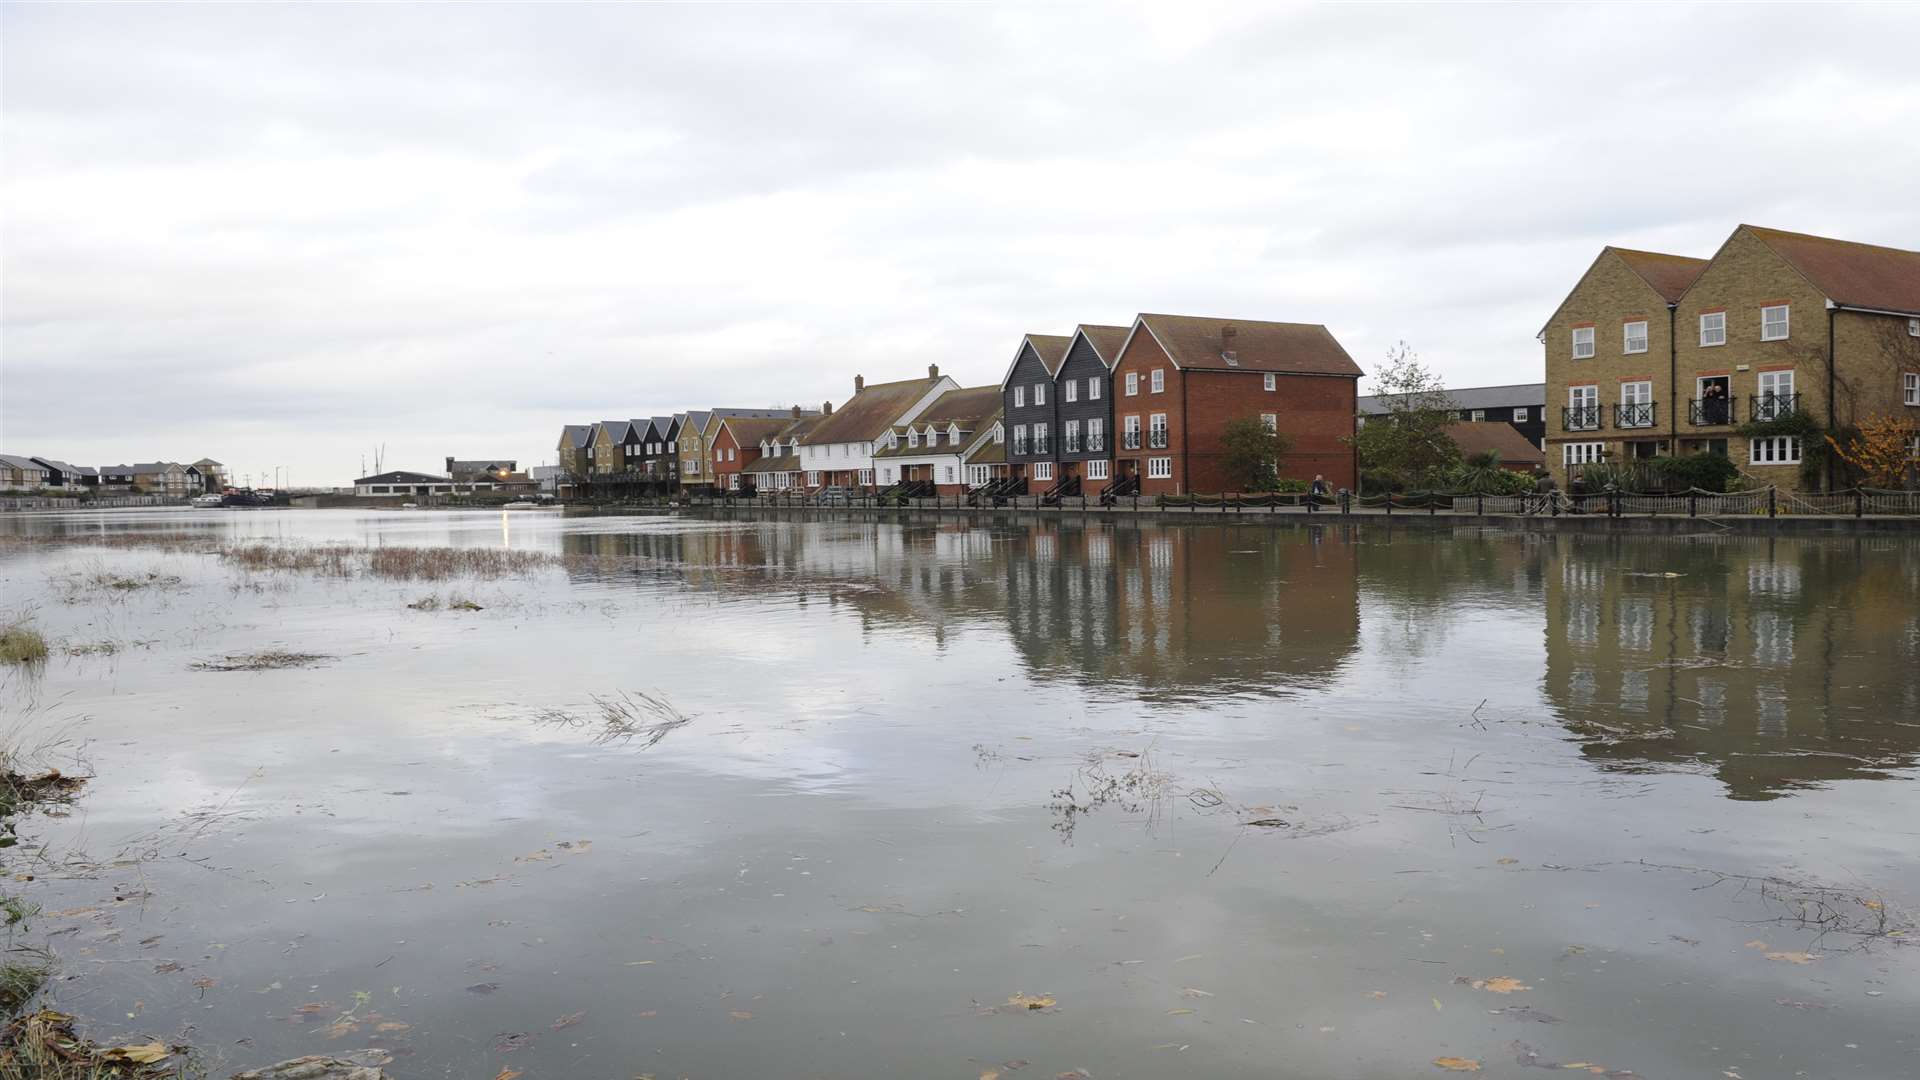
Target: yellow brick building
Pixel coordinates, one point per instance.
(1654, 354)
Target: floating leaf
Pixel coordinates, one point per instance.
(1454, 1064)
(1024, 1001)
(741, 1014)
(568, 1020)
(1792, 957)
(506, 1074)
(142, 1054)
(1195, 992)
(392, 1026)
(205, 983)
(1179, 1012)
(1498, 985)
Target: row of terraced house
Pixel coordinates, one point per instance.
(1136, 409)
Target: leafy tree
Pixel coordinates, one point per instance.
(1878, 450)
(1250, 454)
(1410, 440)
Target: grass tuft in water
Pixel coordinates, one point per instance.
(270, 660)
(20, 643)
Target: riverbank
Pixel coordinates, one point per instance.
(1655, 524)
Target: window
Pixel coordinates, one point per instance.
(731, 454)
(1159, 468)
(1020, 439)
(953, 434)
(1093, 388)
(1477, 415)
(1072, 390)
(1133, 383)
(1270, 421)
(888, 475)
(1097, 469)
(913, 437)
(1157, 430)
(1073, 436)
(1158, 380)
(1096, 434)
(1636, 405)
(1519, 416)
(1583, 408)
(1773, 323)
(999, 434)
(1043, 470)
(813, 478)
(1582, 453)
(1913, 447)
(946, 474)
(1913, 387)
(1913, 327)
(1713, 328)
(1777, 450)
(977, 475)
(1040, 443)
(1130, 432)
(1582, 342)
(1776, 384)
(1270, 382)
(1039, 393)
(846, 449)
(1019, 397)
(1634, 337)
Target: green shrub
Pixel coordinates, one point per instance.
(1708, 472)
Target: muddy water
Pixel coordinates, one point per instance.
(1220, 801)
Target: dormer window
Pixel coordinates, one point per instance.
(999, 434)
(913, 437)
(953, 434)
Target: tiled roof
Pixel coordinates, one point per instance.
(1514, 448)
(965, 408)
(401, 476)
(779, 464)
(1052, 350)
(577, 435)
(1669, 275)
(867, 415)
(749, 430)
(697, 421)
(1532, 395)
(1106, 340)
(1199, 342)
(1857, 275)
(16, 461)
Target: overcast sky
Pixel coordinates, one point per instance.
(280, 235)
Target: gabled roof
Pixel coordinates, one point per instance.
(16, 461)
(477, 465)
(616, 430)
(56, 463)
(579, 436)
(872, 409)
(1051, 349)
(982, 450)
(1198, 343)
(1514, 448)
(1531, 395)
(210, 461)
(1851, 274)
(1669, 275)
(659, 427)
(696, 419)
(1106, 341)
(401, 476)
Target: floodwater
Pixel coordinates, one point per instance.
(1218, 800)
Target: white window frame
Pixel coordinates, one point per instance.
(1097, 468)
(999, 434)
(1039, 393)
(1913, 327)
(913, 438)
(1071, 391)
(1582, 453)
(1713, 329)
(1041, 437)
(1636, 392)
(1159, 468)
(1913, 447)
(1270, 421)
(1071, 435)
(1269, 382)
(1130, 425)
(1020, 443)
(1020, 396)
(1477, 415)
(1767, 333)
(813, 478)
(1093, 388)
(1774, 450)
(1777, 379)
(953, 434)
(947, 471)
(1133, 383)
(978, 475)
(1157, 381)
(1583, 337)
(1096, 434)
(1043, 470)
(1519, 416)
(1911, 388)
(1630, 341)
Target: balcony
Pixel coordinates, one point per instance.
(1043, 446)
(1130, 440)
(1763, 407)
(1580, 417)
(1638, 414)
(1157, 439)
(1711, 412)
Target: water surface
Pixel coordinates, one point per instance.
(1238, 800)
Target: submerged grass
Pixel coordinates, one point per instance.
(269, 660)
(20, 643)
(43, 1045)
(322, 560)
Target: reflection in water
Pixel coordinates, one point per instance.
(1774, 664)
(1165, 613)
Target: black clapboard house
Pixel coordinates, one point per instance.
(1083, 409)
(1028, 403)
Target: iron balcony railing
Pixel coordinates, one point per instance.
(1636, 414)
(1772, 406)
(1096, 443)
(1711, 412)
(1130, 440)
(1580, 417)
(1043, 445)
(1157, 439)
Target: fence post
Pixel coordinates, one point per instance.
(1480, 505)
(1772, 503)
(1389, 504)
(1859, 503)
(1693, 503)
(1433, 504)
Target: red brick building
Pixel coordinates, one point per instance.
(737, 442)
(1180, 379)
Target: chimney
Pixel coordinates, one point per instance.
(796, 412)
(933, 371)
(859, 383)
(449, 466)
(826, 408)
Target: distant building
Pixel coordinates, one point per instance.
(838, 451)
(401, 482)
(547, 477)
(152, 478)
(1522, 405)
(1516, 451)
(22, 472)
(213, 475)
